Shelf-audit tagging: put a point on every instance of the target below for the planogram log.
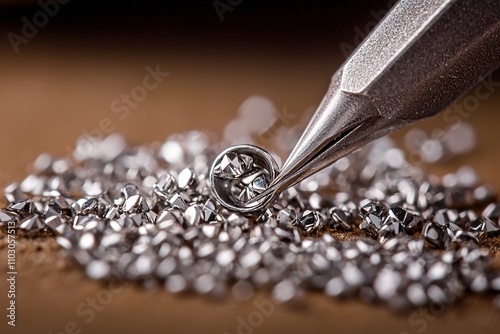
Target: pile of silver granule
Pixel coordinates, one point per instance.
(372, 226)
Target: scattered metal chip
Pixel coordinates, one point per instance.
(148, 214)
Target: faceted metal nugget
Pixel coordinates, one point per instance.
(309, 221)
(408, 218)
(434, 235)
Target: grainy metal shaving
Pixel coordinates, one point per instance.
(145, 214)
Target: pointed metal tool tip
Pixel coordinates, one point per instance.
(263, 194)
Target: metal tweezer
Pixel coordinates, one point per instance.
(418, 60)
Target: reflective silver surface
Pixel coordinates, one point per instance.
(419, 59)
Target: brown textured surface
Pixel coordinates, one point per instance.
(49, 97)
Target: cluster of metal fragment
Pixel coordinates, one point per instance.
(444, 229)
(146, 214)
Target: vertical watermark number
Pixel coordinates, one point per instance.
(11, 273)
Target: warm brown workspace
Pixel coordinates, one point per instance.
(63, 83)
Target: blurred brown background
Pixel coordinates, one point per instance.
(62, 81)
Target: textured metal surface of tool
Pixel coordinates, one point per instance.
(419, 59)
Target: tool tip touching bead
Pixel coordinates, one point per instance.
(239, 174)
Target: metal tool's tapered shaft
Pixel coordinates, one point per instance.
(419, 59)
